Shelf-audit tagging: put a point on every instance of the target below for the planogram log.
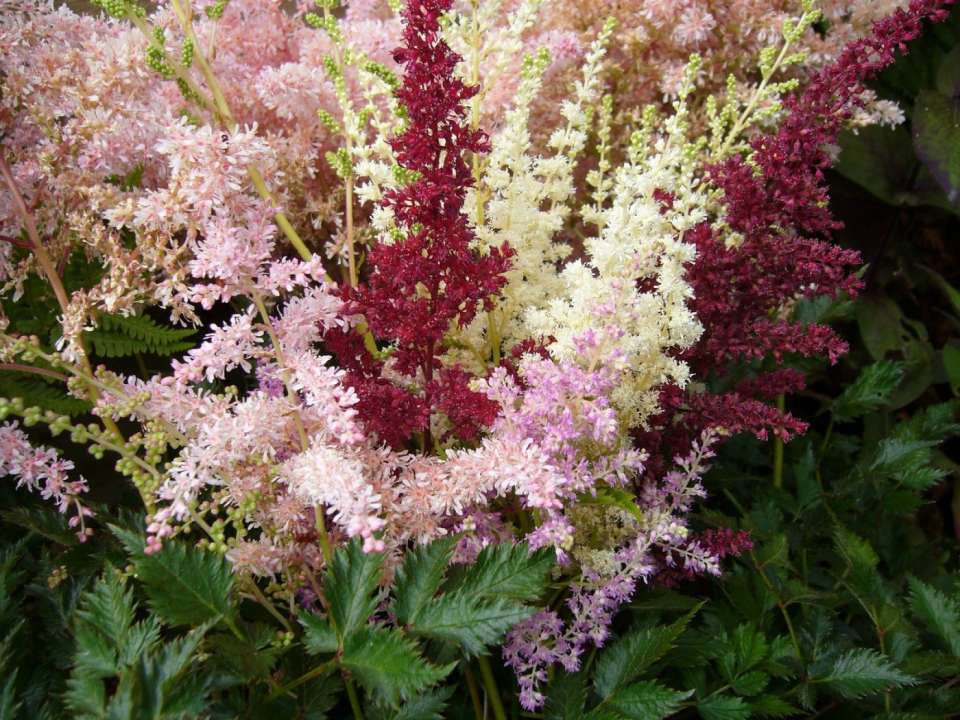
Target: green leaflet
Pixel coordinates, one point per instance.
(627, 658)
(122, 336)
(508, 571)
(349, 584)
(388, 665)
(469, 621)
(940, 613)
(861, 672)
(870, 391)
(186, 586)
(647, 700)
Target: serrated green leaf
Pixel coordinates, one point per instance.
(566, 697)
(319, 636)
(869, 392)
(752, 683)
(749, 646)
(388, 665)
(771, 706)
(420, 577)
(44, 521)
(246, 659)
(941, 614)
(350, 584)
(9, 706)
(862, 672)
(186, 586)
(508, 571)
(42, 394)
(428, 706)
(614, 497)
(723, 707)
(647, 700)
(855, 550)
(468, 621)
(108, 609)
(629, 656)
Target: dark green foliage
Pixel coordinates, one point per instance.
(465, 614)
(124, 336)
(388, 664)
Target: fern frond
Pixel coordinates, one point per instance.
(120, 336)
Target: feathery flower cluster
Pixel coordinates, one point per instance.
(664, 541)
(656, 38)
(430, 277)
(480, 335)
(773, 248)
(43, 471)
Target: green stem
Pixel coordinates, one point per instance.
(319, 670)
(490, 685)
(780, 604)
(354, 699)
(324, 537)
(478, 711)
(269, 606)
(778, 448)
(228, 621)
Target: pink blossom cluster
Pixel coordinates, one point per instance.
(42, 470)
(656, 37)
(665, 546)
(264, 175)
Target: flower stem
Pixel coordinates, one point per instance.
(478, 710)
(778, 448)
(490, 685)
(354, 699)
(50, 272)
(319, 670)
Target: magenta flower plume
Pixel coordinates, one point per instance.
(782, 213)
(431, 278)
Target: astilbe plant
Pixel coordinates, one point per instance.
(501, 361)
(431, 276)
(773, 248)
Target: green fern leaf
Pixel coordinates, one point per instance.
(940, 613)
(123, 336)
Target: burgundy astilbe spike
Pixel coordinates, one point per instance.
(780, 205)
(431, 278)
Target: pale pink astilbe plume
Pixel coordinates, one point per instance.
(180, 406)
(43, 471)
(228, 346)
(232, 252)
(230, 443)
(295, 92)
(208, 169)
(77, 107)
(562, 408)
(357, 10)
(305, 319)
(656, 37)
(288, 274)
(327, 401)
(325, 476)
(258, 557)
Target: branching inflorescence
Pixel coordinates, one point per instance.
(469, 341)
